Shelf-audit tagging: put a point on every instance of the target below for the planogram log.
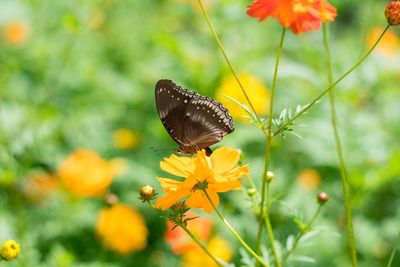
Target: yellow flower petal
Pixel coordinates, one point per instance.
(168, 184)
(224, 159)
(202, 166)
(228, 186)
(236, 173)
(199, 200)
(179, 166)
(171, 198)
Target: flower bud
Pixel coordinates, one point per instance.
(10, 250)
(147, 192)
(392, 13)
(179, 207)
(251, 192)
(322, 198)
(111, 199)
(270, 175)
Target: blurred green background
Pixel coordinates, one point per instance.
(72, 73)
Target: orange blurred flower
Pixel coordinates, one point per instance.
(85, 173)
(255, 88)
(389, 44)
(15, 32)
(298, 15)
(309, 179)
(218, 247)
(38, 186)
(214, 174)
(180, 241)
(126, 139)
(122, 229)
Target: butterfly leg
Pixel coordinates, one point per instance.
(208, 151)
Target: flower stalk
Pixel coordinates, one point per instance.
(245, 246)
(227, 60)
(343, 171)
(396, 245)
(302, 233)
(332, 85)
(189, 233)
(266, 164)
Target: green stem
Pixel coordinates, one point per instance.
(271, 103)
(343, 171)
(302, 233)
(269, 230)
(266, 163)
(245, 246)
(227, 59)
(396, 245)
(331, 86)
(191, 236)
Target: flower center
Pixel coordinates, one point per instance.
(200, 185)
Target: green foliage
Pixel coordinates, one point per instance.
(74, 82)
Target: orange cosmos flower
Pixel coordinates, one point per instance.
(309, 179)
(214, 174)
(298, 15)
(180, 241)
(39, 186)
(15, 32)
(85, 173)
(122, 229)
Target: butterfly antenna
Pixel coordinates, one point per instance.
(156, 149)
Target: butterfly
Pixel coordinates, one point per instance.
(193, 121)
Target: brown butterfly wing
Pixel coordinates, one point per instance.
(207, 122)
(193, 121)
(171, 102)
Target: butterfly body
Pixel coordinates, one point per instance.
(193, 121)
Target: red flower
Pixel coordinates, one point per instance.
(298, 15)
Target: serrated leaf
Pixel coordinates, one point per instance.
(303, 259)
(290, 242)
(243, 106)
(309, 235)
(245, 259)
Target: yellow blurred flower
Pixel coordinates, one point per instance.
(15, 32)
(122, 229)
(119, 166)
(218, 247)
(96, 19)
(10, 250)
(255, 89)
(309, 179)
(85, 173)
(126, 139)
(389, 44)
(39, 186)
